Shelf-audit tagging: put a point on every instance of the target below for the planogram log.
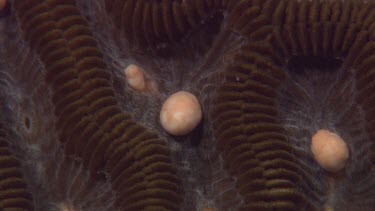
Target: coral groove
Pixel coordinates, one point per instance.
(14, 193)
(89, 119)
(246, 118)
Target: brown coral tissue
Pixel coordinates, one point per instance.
(74, 136)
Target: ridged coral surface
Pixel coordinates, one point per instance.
(268, 75)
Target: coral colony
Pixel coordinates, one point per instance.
(191, 105)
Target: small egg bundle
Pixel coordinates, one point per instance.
(2, 4)
(135, 77)
(137, 80)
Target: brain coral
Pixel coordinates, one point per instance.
(268, 74)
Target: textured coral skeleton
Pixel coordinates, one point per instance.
(268, 75)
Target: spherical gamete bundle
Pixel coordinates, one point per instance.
(330, 150)
(180, 113)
